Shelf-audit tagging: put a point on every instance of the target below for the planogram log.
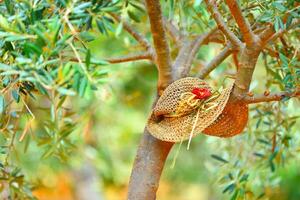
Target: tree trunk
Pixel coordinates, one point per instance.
(147, 168)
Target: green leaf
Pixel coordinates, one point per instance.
(272, 166)
(82, 87)
(9, 6)
(119, 29)
(137, 6)
(281, 24)
(235, 195)
(2, 104)
(86, 36)
(229, 188)
(101, 72)
(111, 9)
(259, 154)
(39, 33)
(30, 48)
(277, 24)
(23, 60)
(133, 16)
(27, 142)
(67, 69)
(65, 91)
(99, 62)
(5, 67)
(76, 81)
(244, 178)
(218, 158)
(289, 21)
(6, 81)
(4, 24)
(49, 151)
(88, 59)
(15, 95)
(61, 101)
(52, 112)
(16, 171)
(12, 38)
(63, 40)
(279, 6)
(284, 60)
(101, 26)
(197, 3)
(57, 28)
(274, 154)
(41, 89)
(267, 16)
(263, 141)
(82, 6)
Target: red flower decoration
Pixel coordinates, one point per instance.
(201, 93)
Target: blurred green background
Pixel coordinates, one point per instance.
(109, 124)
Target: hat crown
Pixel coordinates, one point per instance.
(170, 100)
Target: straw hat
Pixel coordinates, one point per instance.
(189, 106)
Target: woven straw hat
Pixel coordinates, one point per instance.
(179, 114)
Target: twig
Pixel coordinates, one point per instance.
(135, 34)
(122, 59)
(216, 37)
(294, 24)
(269, 35)
(173, 31)
(214, 62)
(212, 7)
(163, 58)
(272, 52)
(129, 58)
(179, 66)
(80, 61)
(66, 19)
(187, 53)
(271, 97)
(242, 22)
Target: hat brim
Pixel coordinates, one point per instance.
(231, 122)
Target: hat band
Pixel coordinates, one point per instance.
(189, 100)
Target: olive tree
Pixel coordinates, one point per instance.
(44, 51)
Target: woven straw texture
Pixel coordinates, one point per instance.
(163, 125)
(231, 122)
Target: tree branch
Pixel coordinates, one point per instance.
(173, 31)
(214, 62)
(242, 23)
(122, 59)
(136, 35)
(212, 7)
(248, 59)
(129, 58)
(294, 24)
(249, 56)
(269, 35)
(163, 58)
(187, 53)
(216, 37)
(271, 97)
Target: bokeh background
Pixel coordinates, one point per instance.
(108, 126)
